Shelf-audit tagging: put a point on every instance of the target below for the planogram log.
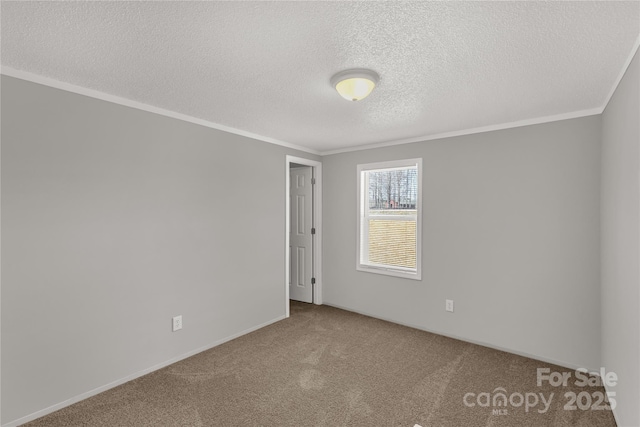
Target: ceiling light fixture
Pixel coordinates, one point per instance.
(356, 84)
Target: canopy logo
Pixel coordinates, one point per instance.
(500, 401)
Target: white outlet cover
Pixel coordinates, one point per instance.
(177, 323)
(449, 305)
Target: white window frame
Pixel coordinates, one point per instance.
(362, 224)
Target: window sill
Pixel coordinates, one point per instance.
(390, 272)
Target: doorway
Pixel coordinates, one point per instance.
(303, 259)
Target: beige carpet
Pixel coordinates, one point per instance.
(329, 367)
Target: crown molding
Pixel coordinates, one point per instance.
(502, 126)
(35, 78)
(633, 53)
(46, 81)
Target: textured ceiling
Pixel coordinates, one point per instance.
(264, 67)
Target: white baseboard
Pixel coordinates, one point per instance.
(128, 378)
(471, 341)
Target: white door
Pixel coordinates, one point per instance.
(300, 235)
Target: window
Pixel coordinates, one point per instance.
(389, 218)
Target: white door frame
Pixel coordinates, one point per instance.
(317, 216)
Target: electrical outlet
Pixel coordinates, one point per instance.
(448, 305)
(177, 323)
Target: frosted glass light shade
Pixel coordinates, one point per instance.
(354, 85)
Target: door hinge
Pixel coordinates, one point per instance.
(313, 230)
(313, 280)
(313, 181)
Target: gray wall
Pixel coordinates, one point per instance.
(511, 231)
(113, 221)
(621, 243)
